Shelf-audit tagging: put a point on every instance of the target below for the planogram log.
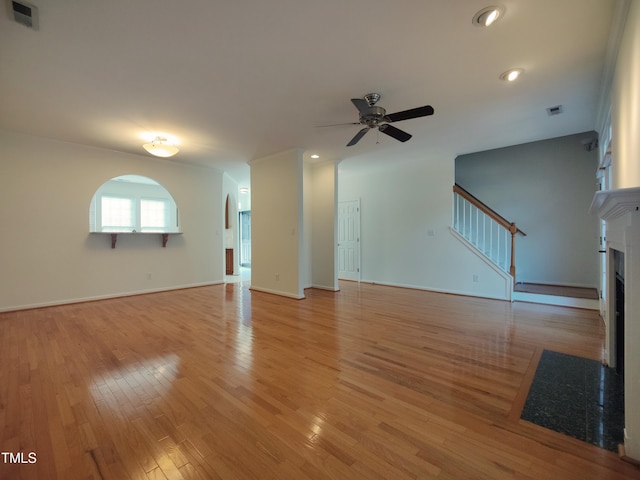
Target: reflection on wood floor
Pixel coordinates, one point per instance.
(223, 383)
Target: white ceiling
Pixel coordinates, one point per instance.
(236, 81)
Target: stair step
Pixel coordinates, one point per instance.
(586, 303)
(567, 296)
(557, 290)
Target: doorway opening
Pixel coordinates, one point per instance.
(245, 238)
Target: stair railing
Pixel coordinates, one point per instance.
(485, 229)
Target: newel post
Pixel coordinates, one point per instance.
(512, 268)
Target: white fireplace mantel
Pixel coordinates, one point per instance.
(611, 204)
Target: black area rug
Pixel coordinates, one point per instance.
(579, 397)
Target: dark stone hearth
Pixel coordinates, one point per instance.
(579, 397)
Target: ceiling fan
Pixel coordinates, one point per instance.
(373, 116)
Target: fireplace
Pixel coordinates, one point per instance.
(620, 209)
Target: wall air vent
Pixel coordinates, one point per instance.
(557, 110)
(25, 14)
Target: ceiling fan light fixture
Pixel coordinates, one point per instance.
(488, 16)
(160, 147)
(511, 75)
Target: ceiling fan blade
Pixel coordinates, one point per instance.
(338, 124)
(361, 105)
(358, 136)
(409, 114)
(394, 132)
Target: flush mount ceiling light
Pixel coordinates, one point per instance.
(315, 155)
(244, 190)
(487, 16)
(160, 147)
(512, 75)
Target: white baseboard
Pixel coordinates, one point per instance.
(70, 301)
(276, 292)
(324, 287)
(435, 290)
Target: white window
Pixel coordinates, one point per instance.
(131, 203)
(154, 215)
(117, 214)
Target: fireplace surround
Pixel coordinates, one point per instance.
(620, 209)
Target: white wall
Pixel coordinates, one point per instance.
(307, 229)
(277, 223)
(324, 272)
(48, 255)
(625, 99)
(546, 188)
(293, 224)
(405, 236)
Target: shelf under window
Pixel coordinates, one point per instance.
(114, 236)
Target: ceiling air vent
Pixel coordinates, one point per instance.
(557, 110)
(25, 13)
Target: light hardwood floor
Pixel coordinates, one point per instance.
(223, 383)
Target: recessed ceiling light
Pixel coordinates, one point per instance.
(512, 75)
(315, 156)
(487, 16)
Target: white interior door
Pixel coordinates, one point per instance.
(349, 240)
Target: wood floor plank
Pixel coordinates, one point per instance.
(221, 382)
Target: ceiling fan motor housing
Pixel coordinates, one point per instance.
(373, 116)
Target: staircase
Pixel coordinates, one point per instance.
(489, 232)
(494, 238)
